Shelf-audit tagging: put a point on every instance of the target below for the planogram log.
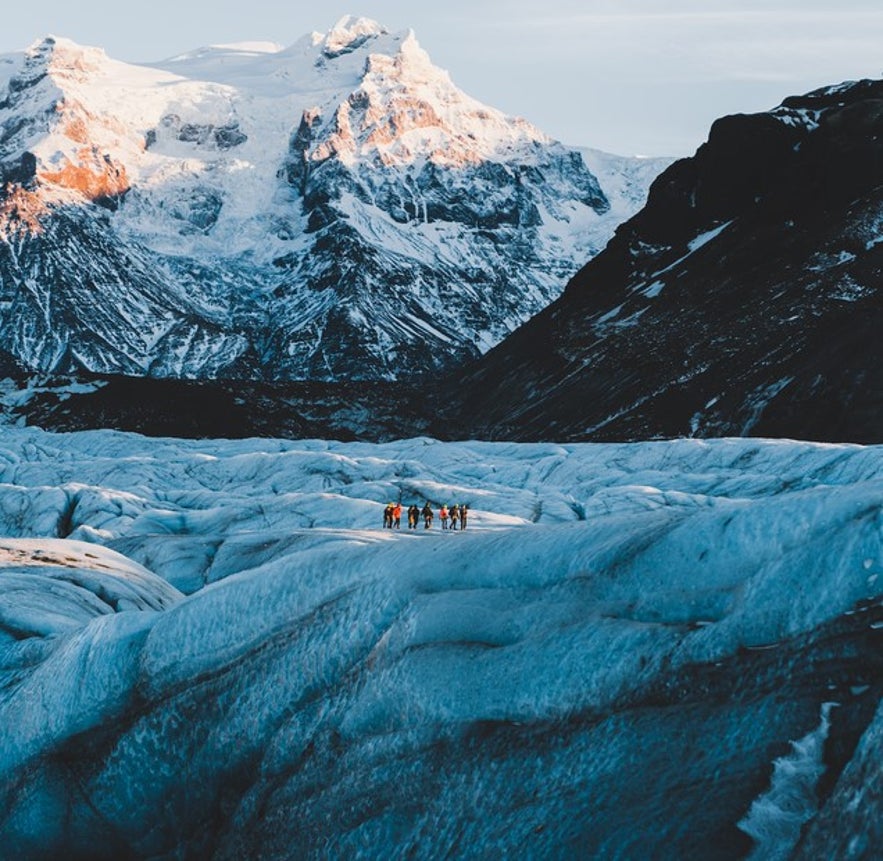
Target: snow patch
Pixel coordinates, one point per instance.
(708, 236)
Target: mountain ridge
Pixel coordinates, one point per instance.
(743, 299)
(335, 209)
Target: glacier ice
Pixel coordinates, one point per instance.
(211, 648)
(775, 819)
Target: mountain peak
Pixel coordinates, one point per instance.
(62, 53)
(350, 33)
(335, 208)
(409, 60)
(743, 299)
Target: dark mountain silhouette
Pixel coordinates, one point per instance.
(744, 299)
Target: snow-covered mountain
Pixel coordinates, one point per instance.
(212, 649)
(744, 298)
(337, 208)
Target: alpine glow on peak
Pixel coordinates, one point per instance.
(336, 208)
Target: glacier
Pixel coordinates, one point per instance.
(212, 649)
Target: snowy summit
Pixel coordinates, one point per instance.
(337, 208)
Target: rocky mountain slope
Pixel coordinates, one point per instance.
(745, 298)
(335, 209)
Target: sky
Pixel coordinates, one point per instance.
(632, 77)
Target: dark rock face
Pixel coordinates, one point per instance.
(744, 299)
(196, 409)
(203, 134)
(98, 315)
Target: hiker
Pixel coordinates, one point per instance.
(443, 516)
(387, 516)
(455, 516)
(413, 516)
(397, 515)
(464, 513)
(427, 516)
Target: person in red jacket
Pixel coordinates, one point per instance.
(397, 515)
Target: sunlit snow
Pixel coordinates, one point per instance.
(256, 205)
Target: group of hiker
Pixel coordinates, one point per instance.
(452, 518)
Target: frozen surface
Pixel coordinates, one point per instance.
(213, 649)
(775, 819)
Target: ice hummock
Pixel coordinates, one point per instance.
(624, 634)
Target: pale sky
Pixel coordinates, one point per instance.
(627, 76)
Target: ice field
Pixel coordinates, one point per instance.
(211, 649)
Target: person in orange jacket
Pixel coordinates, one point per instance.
(397, 515)
(443, 516)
